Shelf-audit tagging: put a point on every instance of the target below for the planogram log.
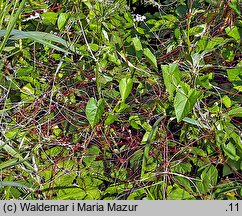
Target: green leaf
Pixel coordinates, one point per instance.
(28, 92)
(13, 184)
(137, 194)
(40, 37)
(125, 87)
(121, 107)
(94, 110)
(210, 173)
(137, 44)
(172, 77)
(177, 193)
(214, 42)
(138, 47)
(209, 178)
(151, 133)
(9, 163)
(193, 122)
(184, 182)
(28, 89)
(111, 119)
(15, 155)
(226, 101)
(235, 76)
(62, 20)
(181, 10)
(182, 168)
(117, 40)
(94, 47)
(57, 131)
(135, 121)
(12, 22)
(233, 32)
(230, 150)
(234, 4)
(49, 17)
(184, 102)
(150, 57)
(198, 151)
(71, 193)
(140, 30)
(236, 112)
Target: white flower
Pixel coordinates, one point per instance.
(139, 18)
(143, 18)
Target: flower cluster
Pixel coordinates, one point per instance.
(139, 18)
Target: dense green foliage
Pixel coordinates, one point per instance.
(96, 103)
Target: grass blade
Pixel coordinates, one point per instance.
(11, 25)
(147, 146)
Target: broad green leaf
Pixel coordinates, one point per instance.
(28, 89)
(135, 121)
(138, 47)
(210, 173)
(235, 76)
(28, 92)
(140, 30)
(94, 47)
(65, 180)
(226, 170)
(230, 150)
(111, 119)
(55, 151)
(56, 130)
(184, 102)
(177, 193)
(197, 30)
(150, 57)
(93, 193)
(94, 110)
(184, 182)
(181, 167)
(177, 33)
(214, 42)
(201, 44)
(226, 101)
(125, 87)
(49, 17)
(172, 77)
(137, 194)
(194, 122)
(71, 193)
(121, 107)
(235, 112)
(239, 88)
(137, 44)
(62, 20)
(233, 32)
(117, 40)
(198, 151)
(181, 10)
(209, 178)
